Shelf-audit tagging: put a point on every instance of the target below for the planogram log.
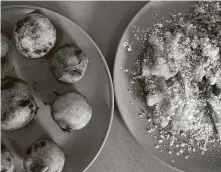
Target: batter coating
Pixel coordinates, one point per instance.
(71, 111)
(69, 64)
(18, 106)
(34, 35)
(7, 159)
(4, 44)
(44, 156)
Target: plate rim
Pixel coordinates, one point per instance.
(111, 90)
(139, 13)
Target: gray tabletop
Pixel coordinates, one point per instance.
(105, 23)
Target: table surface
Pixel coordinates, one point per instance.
(105, 22)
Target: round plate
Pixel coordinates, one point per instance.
(80, 147)
(130, 100)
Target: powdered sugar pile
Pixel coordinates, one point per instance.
(182, 73)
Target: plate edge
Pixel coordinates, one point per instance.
(114, 78)
(104, 61)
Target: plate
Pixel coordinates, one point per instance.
(129, 96)
(80, 147)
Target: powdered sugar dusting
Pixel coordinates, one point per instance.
(34, 35)
(181, 69)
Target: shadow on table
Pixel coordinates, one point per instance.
(110, 30)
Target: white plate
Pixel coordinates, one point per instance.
(80, 147)
(130, 103)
